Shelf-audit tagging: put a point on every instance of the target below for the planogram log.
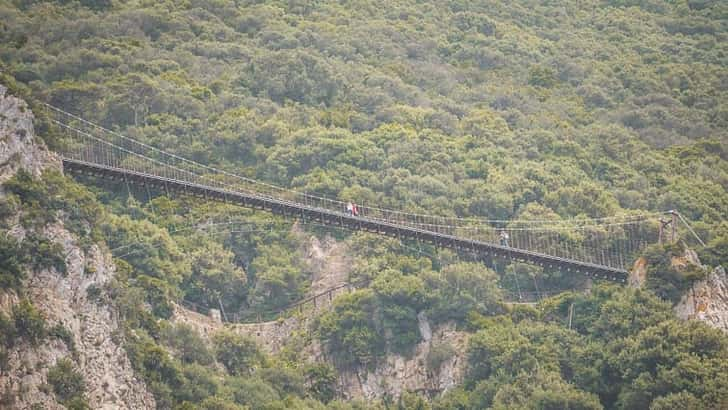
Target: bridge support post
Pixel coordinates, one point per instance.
(670, 236)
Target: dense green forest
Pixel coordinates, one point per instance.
(497, 110)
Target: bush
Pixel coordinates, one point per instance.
(7, 331)
(62, 333)
(252, 392)
(662, 278)
(285, 379)
(68, 384)
(30, 190)
(13, 257)
(321, 381)
(239, 354)
(29, 322)
(350, 330)
(439, 354)
(4, 359)
(44, 254)
(199, 383)
(188, 344)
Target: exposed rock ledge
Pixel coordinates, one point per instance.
(18, 148)
(64, 299)
(707, 301)
(397, 374)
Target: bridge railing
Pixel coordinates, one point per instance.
(609, 241)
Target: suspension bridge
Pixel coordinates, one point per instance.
(599, 247)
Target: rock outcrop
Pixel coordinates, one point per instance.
(638, 274)
(707, 301)
(398, 374)
(62, 298)
(18, 146)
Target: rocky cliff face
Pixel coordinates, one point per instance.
(18, 145)
(707, 301)
(62, 298)
(397, 374)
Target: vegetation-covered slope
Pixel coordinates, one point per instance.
(490, 109)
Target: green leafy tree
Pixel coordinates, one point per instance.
(321, 381)
(240, 355)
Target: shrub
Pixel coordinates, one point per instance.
(239, 354)
(439, 354)
(199, 383)
(321, 381)
(11, 269)
(350, 329)
(29, 322)
(189, 345)
(252, 392)
(286, 380)
(7, 331)
(4, 359)
(28, 189)
(62, 333)
(662, 278)
(45, 254)
(68, 384)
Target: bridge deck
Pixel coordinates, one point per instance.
(327, 216)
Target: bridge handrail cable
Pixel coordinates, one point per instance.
(336, 202)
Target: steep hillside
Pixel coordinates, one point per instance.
(48, 313)
(492, 110)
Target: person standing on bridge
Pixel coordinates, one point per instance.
(354, 209)
(503, 237)
(350, 208)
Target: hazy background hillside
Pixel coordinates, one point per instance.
(501, 110)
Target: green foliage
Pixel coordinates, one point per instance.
(55, 196)
(68, 384)
(321, 381)
(542, 77)
(663, 278)
(62, 333)
(4, 358)
(463, 288)
(252, 392)
(7, 331)
(218, 403)
(239, 354)
(286, 380)
(543, 391)
(400, 298)
(13, 257)
(350, 329)
(439, 354)
(495, 110)
(188, 344)
(626, 351)
(155, 365)
(411, 401)
(29, 323)
(44, 254)
(716, 251)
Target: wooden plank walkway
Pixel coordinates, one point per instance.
(327, 216)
